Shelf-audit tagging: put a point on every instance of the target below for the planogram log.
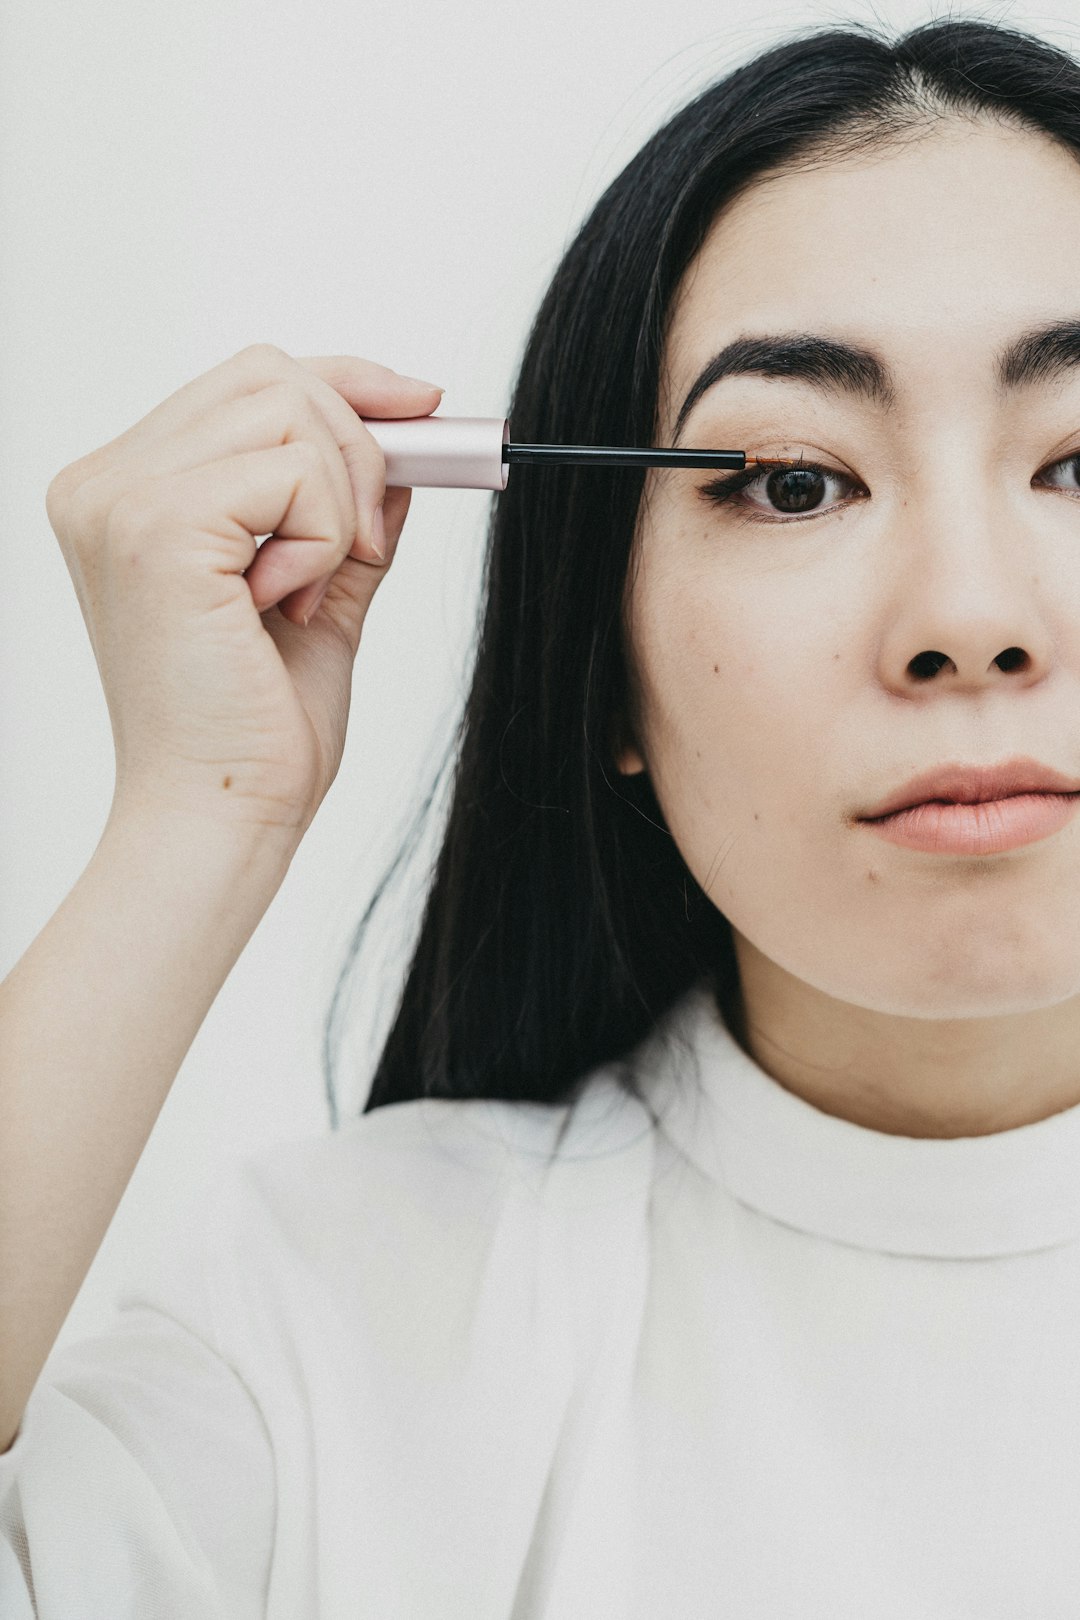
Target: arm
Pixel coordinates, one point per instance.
(95, 1020)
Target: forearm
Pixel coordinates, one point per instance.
(95, 1020)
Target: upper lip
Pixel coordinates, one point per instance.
(974, 784)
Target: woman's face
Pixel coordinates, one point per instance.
(777, 698)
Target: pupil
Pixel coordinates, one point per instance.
(799, 484)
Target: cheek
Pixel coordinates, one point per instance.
(729, 679)
(739, 706)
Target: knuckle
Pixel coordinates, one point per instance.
(134, 512)
(367, 456)
(309, 456)
(261, 356)
(56, 497)
(67, 482)
(59, 481)
(76, 509)
(290, 397)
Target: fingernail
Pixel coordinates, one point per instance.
(378, 533)
(420, 383)
(316, 600)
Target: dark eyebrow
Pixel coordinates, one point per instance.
(1041, 355)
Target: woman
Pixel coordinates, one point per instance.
(723, 1257)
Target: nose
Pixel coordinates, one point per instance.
(989, 590)
(926, 665)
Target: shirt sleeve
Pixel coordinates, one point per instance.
(141, 1482)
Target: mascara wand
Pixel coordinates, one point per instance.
(475, 452)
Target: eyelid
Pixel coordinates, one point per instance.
(1060, 461)
(727, 488)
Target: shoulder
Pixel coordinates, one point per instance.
(451, 1160)
(444, 1190)
(416, 1232)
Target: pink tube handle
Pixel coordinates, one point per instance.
(442, 452)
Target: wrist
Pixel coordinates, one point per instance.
(199, 846)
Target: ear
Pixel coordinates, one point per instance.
(627, 755)
(628, 762)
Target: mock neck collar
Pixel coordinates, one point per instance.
(1008, 1192)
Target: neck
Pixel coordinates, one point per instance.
(918, 1077)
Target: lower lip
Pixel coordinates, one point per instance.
(978, 829)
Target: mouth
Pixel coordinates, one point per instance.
(972, 804)
(976, 827)
(964, 784)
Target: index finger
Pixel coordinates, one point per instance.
(376, 391)
(370, 388)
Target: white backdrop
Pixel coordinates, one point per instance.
(396, 181)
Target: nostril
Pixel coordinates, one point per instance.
(927, 664)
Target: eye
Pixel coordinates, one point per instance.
(797, 486)
(1066, 461)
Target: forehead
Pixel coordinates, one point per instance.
(937, 252)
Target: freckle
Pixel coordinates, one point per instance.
(716, 669)
(227, 782)
(873, 877)
(756, 816)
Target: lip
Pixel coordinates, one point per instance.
(958, 784)
(988, 828)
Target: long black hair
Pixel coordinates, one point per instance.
(560, 921)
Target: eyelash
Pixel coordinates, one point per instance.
(720, 490)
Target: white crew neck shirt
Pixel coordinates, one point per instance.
(756, 1362)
